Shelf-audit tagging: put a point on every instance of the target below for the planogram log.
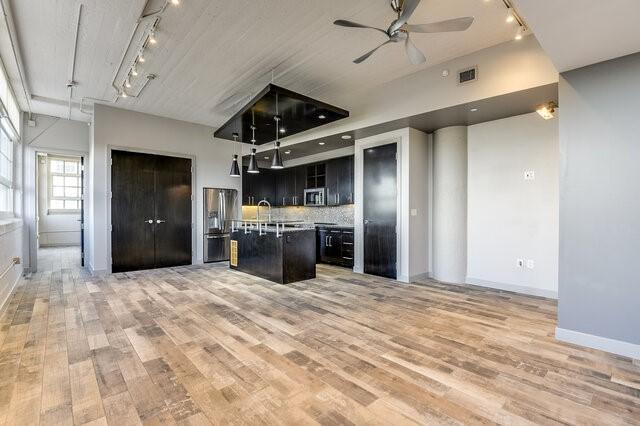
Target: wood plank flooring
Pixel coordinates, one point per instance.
(207, 345)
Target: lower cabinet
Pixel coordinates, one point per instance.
(335, 246)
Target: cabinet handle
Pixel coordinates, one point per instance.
(338, 198)
(330, 241)
(348, 258)
(326, 241)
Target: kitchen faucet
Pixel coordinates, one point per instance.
(269, 211)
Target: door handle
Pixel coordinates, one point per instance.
(160, 221)
(326, 241)
(330, 241)
(148, 221)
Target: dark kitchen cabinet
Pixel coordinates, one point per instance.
(286, 187)
(339, 181)
(335, 246)
(316, 176)
(257, 187)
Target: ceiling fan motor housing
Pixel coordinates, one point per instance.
(396, 5)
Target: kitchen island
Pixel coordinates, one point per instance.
(282, 252)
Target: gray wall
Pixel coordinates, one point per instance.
(599, 271)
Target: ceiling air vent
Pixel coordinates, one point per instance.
(468, 75)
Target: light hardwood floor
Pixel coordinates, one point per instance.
(203, 344)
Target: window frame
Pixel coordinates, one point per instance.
(51, 174)
(9, 184)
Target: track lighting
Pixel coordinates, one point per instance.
(123, 94)
(134, 71)
(141, 58)
(175, 2)
(152, 37)
(235, 169)
(127, 83)
(518, 35)
(510, 17)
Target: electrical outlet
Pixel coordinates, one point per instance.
(530, 264)
(520, 263)
(529, 175)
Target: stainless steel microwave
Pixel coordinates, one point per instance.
(315, 197)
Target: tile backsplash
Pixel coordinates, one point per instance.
(342, 215)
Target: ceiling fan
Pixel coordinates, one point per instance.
(399, 29)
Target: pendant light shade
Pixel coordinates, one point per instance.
(276, 163)
(253, 164)
(235, 169)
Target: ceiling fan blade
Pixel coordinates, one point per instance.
(415, 55)
(371, 52)
(458, 24)
(350, 24)
(408, 7)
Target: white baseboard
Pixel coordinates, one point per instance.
(424, 276)
(4, 303)
(617, 347)
(531, 291)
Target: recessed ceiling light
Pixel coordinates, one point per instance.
(346, 137)
(322, 116)
(320, 143)
(474, 110)
(445, 73)
(288, 152)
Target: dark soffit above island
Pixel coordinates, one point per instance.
(298, 113)
(467, 114)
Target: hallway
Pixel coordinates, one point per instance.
(58, 258)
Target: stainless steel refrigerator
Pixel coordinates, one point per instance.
(220, 206)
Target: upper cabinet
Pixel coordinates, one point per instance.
(286, 187)
(339, 181)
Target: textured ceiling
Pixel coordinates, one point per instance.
(211, 54)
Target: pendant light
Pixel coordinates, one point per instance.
(235, 169)
(276, 163)
(253, 163)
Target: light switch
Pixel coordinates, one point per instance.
(529, 175)
(414, 212)
(530, 264)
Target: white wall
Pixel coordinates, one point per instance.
(57, 136)
(54, 229)
(11, 237)
(511, 218)
(416, 207)
(116, 128)
(449, 234)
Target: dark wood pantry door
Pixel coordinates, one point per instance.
(150, 211)
(380, 205)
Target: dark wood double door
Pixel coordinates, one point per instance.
(150, 211)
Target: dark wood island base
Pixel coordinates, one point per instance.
(284, 257)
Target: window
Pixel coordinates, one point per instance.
(6, 174)
(65, 190)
